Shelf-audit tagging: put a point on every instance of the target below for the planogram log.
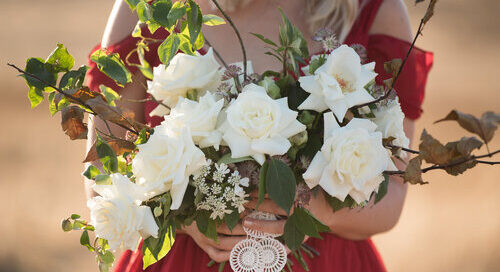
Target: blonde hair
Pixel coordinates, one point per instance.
(337, 15)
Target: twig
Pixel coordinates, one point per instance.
(81, 102)
(402, 148)
(393, 83)
(451, 164)
(216, 53)
(237, 34)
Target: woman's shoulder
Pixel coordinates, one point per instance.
(392, 20)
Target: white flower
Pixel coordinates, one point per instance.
(351, 160)
(257, 125)
(117, 215)
(389, 119)
(339, 83)
(166, 162)
(201, 117)
(184, 73)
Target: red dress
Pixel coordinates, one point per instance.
(337, 254)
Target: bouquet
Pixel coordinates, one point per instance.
(228, 131)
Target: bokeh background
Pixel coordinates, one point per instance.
(453, 224)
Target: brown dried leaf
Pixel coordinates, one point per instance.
(432, 151)
(484, 127)
(393, 66)
(84, 94)
(413, 173)
(91, 154)
(430, 11)
(72, 123)
(462, 150)
(121, 146)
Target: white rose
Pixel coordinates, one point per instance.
(166, 162)
(339, 83)
(184, 73)
(201, 117)
(389, 120)
(351, 160)
(117, 215)
(257, 125)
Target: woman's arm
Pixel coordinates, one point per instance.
(121, 23)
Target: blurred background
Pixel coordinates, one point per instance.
(453, 224)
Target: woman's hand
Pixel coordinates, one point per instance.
(218, 251)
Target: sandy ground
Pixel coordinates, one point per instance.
(451, 225)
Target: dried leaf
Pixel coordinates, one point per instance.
(84, 94)
(72, 123)
(484, 127)
(462, 150)
(430, 11)
(91, 154)
(121, 146)
(393, 66)
(432, 151)
(413, 173)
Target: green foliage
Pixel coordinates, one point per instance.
(292, 40)
(338, 204)
(60, 59)
(262, 182)
(206, 225)
(168, 49)
(232, 219)
(154, 249)
(194, 20)
(316, 63)
(35, 96)
(382, 189)
(176, 12)
(142, 138)
(112, 66)
(227, 159)
(132, 3)
(264, 39)
(281, 184)
(85, 241)
(42, 70)
(159, 12)
(91, 172)
(300, 224)
(109, 94)
(107, 156)
(212, 20)
(73, 79)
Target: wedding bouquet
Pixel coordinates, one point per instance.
(228, 131)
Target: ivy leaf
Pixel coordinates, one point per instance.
(212, 20)
(73, 79)
(132, 3)
(37, 67)
(281, 184)
(413, 172)
(109, 94)
(176, 12)
(432, 151)
(262, 182)
(227, 159)
(72, 123)
(168, 49)
(60, 59)
(382, 189)
(112, 66)
(159, 12)
(484, 127)
(194, 20)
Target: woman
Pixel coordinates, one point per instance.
(381, 26)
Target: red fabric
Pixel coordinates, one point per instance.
(337, 254)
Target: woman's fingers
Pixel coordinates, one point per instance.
(266, 206)
(267, 226)
(217, 255)
(226, 243)
(237, 230)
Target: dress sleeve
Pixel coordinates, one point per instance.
(410, 86)
(95, 77)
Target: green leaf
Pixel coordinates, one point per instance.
(176, 12)
(292, 235)
(37, 67)
(142, 138)
(227, 159)
(338, 204)
(85, 241)
(185, 44)
(281, 184)
(112, 66)
(194, 20)
(75, 216)
(107, 257)
(154, 249)
(262, 182)
(73, 79)
(110, 95)
(60, 59)
(304, 222)
(232, 219)
(91, 172)
(206, 225)
(159, 12)
(103, 179)
(213, 20)
(264, 39)
(66, 225)
(107, 156)
(35, 96)
(382, 189)
(132, 3)
(168, 49)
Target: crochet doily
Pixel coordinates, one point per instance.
(260, 252)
